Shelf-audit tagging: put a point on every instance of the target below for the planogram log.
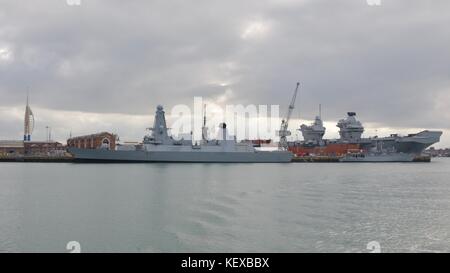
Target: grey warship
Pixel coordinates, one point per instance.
(159, 146)
(394, 148)
(352, 147)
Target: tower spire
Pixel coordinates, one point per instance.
(29, 121)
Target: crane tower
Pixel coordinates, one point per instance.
(284, 132)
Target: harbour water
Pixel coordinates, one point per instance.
(308, 207)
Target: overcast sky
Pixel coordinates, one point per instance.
(106, 64)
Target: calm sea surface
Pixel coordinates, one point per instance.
(303, 207)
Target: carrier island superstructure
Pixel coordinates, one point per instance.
(159, 146)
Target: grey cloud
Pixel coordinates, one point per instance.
(388, 63)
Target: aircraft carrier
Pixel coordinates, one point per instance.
(159, 146)
(352, 147)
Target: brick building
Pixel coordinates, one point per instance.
(44, 148)
(31, 148)
(103, 140)
(11, 148)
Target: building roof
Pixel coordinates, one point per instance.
(11, 144)
(93, 135)
(42, 144)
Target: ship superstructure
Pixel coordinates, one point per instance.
(350, 128)
(313, 134)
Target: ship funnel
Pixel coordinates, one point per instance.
(223, 129)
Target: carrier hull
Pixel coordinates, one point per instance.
(396, 157)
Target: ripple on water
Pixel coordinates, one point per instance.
(218, 207)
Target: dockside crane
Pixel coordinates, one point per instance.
(284, 132)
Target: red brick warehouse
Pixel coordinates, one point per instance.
(102, 140)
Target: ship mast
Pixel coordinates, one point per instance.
(204, 128)
(320, 111)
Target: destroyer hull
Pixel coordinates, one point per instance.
(112, 156)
